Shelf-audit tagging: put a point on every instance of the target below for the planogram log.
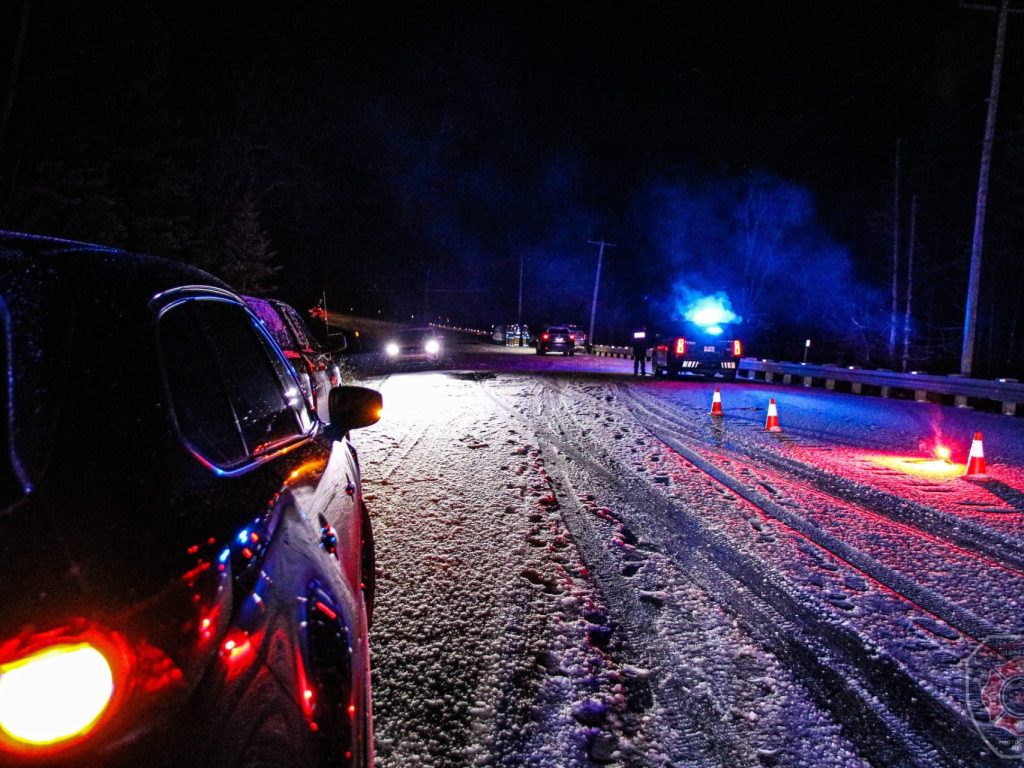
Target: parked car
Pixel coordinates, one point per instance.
(314, 365)
(556, 338)
(186, 558)
(579, 335)
(414, 345)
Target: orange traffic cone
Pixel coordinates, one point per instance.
(772, 425)
(976, 460)
(716, 403)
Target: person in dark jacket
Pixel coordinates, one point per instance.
(640, 351)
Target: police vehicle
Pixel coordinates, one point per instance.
(706, 351)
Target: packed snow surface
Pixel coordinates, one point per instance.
(578, 567)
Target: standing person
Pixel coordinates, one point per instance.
(640, 351)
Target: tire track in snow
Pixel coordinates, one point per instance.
(459, 548)
(686, 717)
(962, 532)
(942, 725)
(833, 657)
(690, 713)
(906, 563)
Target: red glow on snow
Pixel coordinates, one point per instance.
(936, 469)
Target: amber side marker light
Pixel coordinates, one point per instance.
(54, 695)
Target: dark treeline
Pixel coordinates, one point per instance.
(406, 161)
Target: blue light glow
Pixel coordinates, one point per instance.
(707, 311)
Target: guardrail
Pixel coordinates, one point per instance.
(923, 387)
(962, 391)
(603, 350)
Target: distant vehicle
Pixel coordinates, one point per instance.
(187, 561)
(556, 338)
(699, 351)
(579, 335)
(511, 335)
(414, 345)
(314, 365)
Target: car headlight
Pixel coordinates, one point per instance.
(392, 349)
(432, 347)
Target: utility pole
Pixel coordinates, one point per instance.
(910, 282)
(601, 244)
(974, 282)
(426, 295)
(895, 257)
(519, 311)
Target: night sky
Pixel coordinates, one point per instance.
(405, 159)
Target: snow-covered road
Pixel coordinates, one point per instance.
(578, 567)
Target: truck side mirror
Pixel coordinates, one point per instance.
(336, 342)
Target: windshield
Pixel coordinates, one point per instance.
(415, 336)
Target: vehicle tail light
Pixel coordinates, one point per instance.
(572, 337)
(76, 686)
(663, 347)
(545, 336)
(55, 694)
(680, 346)
(737, 348)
